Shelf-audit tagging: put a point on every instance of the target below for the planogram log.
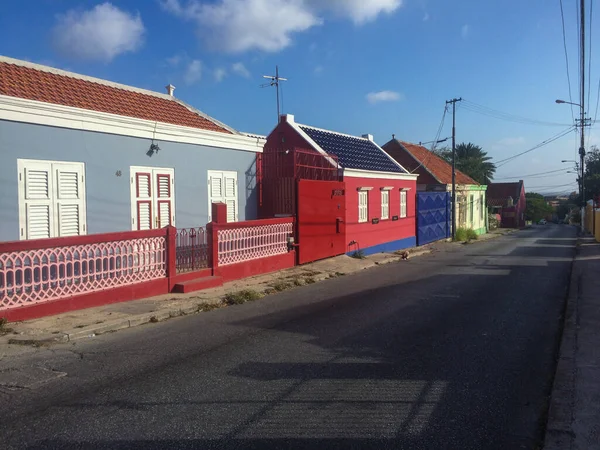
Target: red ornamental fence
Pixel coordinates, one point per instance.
(98, 269)
(51, 269)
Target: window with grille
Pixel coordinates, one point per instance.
(51, 199)
(363, 206)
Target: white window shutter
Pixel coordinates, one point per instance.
(385, 204)
(69, 199)
(402, 203)
(223, 188)
(143, 200)
(363, 206)
(37, 199)
(231, 196)
(164, 197)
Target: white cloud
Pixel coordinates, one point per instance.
(193, 72)
(99, 34)
(426, 17)
(384, 96)
(240, 69)
(268, 25)
(318, 70)
(359, 11)
(464, 31)
(174, 60)
(220, 74)
(240, 25)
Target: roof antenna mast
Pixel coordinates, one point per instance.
(275, 82)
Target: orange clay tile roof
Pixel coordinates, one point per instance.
(63, 88)
(435, 165)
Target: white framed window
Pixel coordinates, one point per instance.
(51, 199)
(152, 197)
(403, 197)
(223, 187)
(363, 206)
(385, 204)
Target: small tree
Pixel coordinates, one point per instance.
(537, 208)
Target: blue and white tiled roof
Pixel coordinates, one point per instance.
(353, 152)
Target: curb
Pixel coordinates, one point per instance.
(559, 433)
(91, 331)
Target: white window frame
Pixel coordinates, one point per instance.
(153, 199)
(363, 209)
(223, 174)
(385, 202)
(53, 201)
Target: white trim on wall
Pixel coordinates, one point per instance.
(355, 173)
(40, 113)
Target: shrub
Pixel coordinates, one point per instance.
(461, 235)
(238, 298)
(472, 235)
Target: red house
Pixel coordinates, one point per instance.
(373, 205)
(508, 200)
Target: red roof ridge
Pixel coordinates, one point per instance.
(111, 84)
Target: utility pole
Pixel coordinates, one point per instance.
(582, 104)
(275, 82)
(453, 101)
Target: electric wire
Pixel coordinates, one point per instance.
(563, 133)
(500, 115)
(562, 15)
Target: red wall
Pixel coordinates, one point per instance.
(369, 234)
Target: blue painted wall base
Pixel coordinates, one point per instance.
(392, 246)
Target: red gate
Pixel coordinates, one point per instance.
(321, 220)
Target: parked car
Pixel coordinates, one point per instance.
(542, 222)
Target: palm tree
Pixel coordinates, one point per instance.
(473, 161)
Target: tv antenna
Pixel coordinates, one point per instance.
(275, 82)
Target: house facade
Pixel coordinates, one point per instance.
(509, 202)
(435, 175)
(80, 155)
(378, 213)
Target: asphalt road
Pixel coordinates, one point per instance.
(455, 350)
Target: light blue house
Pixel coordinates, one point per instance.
(80, 155)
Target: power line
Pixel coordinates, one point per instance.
(541, 144)
(533, 174)
(435, 141)
(562, 15)
(496, 114)
(591, 54)
(551, 186)
(597, 102)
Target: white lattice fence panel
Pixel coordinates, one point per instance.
(35, 276)
(253, 242)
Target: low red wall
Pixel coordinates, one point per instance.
(100, 298)
(257, 267)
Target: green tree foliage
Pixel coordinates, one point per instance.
(537, 208)
(592, 172)
(471, 160)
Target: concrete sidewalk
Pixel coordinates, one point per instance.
(87, 323)
(574, 414)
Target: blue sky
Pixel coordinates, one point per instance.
(355, 66)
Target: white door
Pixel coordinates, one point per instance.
(152, 197)
(223, 188)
